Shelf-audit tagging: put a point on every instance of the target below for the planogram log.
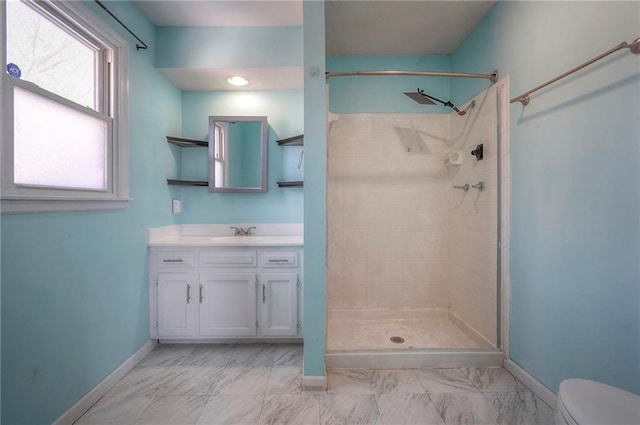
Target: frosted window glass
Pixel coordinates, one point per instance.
(49, 56)
(57, 146)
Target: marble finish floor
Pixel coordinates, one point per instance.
(357, 331)
(255, 384)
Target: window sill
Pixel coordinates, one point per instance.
(44, 206)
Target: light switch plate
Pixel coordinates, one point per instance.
(176, 206)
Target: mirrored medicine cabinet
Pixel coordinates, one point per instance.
(238, 154)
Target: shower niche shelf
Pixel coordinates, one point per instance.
(183, 142)
(292, 141)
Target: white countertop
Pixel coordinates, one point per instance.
(265, 234)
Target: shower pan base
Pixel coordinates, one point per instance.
(405, 339)
(414, 359)
(350, 330)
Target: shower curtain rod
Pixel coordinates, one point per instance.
(634, 47)
(493, 76)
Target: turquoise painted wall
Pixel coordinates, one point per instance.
(74, 285)
(217, 47)
(284, 112)
(575, 209)
(315, 228)
(385, 93)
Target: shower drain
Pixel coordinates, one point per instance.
(397, 339)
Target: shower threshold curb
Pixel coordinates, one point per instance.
(413, 359)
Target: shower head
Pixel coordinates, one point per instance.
(424, 99)
(420, 98)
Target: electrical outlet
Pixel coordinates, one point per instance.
(176, 206)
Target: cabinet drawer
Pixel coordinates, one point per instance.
(176, 259)
(228, 259)
(279, 259)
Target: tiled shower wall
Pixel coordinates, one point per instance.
(473, 223)
(387, 211)
(399, 235)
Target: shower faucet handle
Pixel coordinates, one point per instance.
(464, 187)
(479, 186)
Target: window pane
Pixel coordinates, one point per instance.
(219, 177)
(49, 56)
(57, 146)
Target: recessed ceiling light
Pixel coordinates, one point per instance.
(237, 80)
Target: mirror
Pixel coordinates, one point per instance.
(238, 154)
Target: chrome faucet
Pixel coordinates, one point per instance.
(239, 231)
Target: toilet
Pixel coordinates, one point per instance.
(584, 402)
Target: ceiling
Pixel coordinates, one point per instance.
(360, 27)
(396, 27)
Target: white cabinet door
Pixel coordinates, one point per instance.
(279, 298)
(177, 305)
(228, 304)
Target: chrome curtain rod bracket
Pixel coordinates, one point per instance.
(493, 77)
(634, 47)
(138, 46)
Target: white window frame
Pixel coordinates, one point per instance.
(24, 199)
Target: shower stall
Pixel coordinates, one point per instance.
(413, 222)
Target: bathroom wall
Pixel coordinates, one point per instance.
(472, 217)
(575, 232)
(284, 112)
(228, 47)
(378, 94)
(74, 285)
(387, 211)
(315, 229)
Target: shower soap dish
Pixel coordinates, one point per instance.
(453, 158)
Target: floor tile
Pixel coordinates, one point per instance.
(253, 355)
(521, 408)
(395, 381)
(192, 380)
(288, 355)
(349, 381)
(352, 409)
(234, 409)
(465, 409)
(260, 384)
(444, 381)
(243, 380)
(173, 410)
(166, 355)
(143, 381)
(285, 380)
(209, 355)
(493, 379)
(298, 409)
(115, 411)
(408, 409)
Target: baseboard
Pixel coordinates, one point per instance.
(90, 398)
(538, 388)
(314, 383)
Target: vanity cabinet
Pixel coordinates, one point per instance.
(225, 292)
